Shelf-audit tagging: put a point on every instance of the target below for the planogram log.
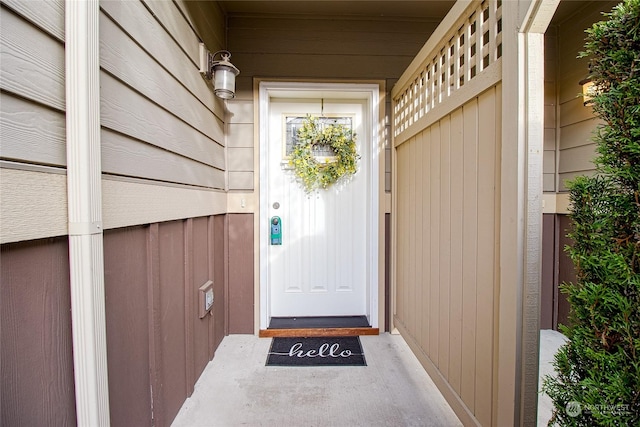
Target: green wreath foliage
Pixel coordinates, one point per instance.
(314, 174)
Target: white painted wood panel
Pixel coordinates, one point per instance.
(30, 132)
(128, 112)
(32, 62)
(123, 58)
(46, 14)
(141, 26)
(129, 157)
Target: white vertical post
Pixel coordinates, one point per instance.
(524, 25)
(82, 67)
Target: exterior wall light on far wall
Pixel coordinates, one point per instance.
(221, 70)
(588, 90)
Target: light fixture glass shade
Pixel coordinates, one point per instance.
(224, 77)
(588, 91)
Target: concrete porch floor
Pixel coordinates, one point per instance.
(236, 388)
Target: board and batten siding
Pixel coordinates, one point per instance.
(447, 246)
(447, 207)
(161, 125)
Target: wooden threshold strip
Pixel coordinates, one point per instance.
(317, 332)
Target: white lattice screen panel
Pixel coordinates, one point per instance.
(458, 59)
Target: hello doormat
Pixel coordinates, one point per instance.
(316, 351)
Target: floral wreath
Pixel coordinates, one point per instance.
(316, 172)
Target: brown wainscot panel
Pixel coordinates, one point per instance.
(36, 351)
(219, 310)
(202, 268)
(127, 315)
(157, 344)
(172, 343)
(548, 282)
(566, 270)
(241, 294)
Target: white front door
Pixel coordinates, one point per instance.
(321, 268)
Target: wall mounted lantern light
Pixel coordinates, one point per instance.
(220, 70)
(588, 90)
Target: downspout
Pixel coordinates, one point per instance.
(82, 66)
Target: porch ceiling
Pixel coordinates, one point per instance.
(423, 10)
(406, 10)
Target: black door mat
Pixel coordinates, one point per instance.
(316, 351)
(319, 322)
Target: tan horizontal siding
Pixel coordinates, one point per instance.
(162, 127)
(160, 119)
(47, 15)
(577, 159)
(31, 132)
(129, 157)
(577, 122)
(179, 29)
(128, 112)
(32, 62)
(123, 58)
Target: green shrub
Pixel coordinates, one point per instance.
(598, 380)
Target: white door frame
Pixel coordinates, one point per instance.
(361, 91)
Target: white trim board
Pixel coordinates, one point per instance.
(33, 203)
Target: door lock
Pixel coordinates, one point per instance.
(276, 230)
